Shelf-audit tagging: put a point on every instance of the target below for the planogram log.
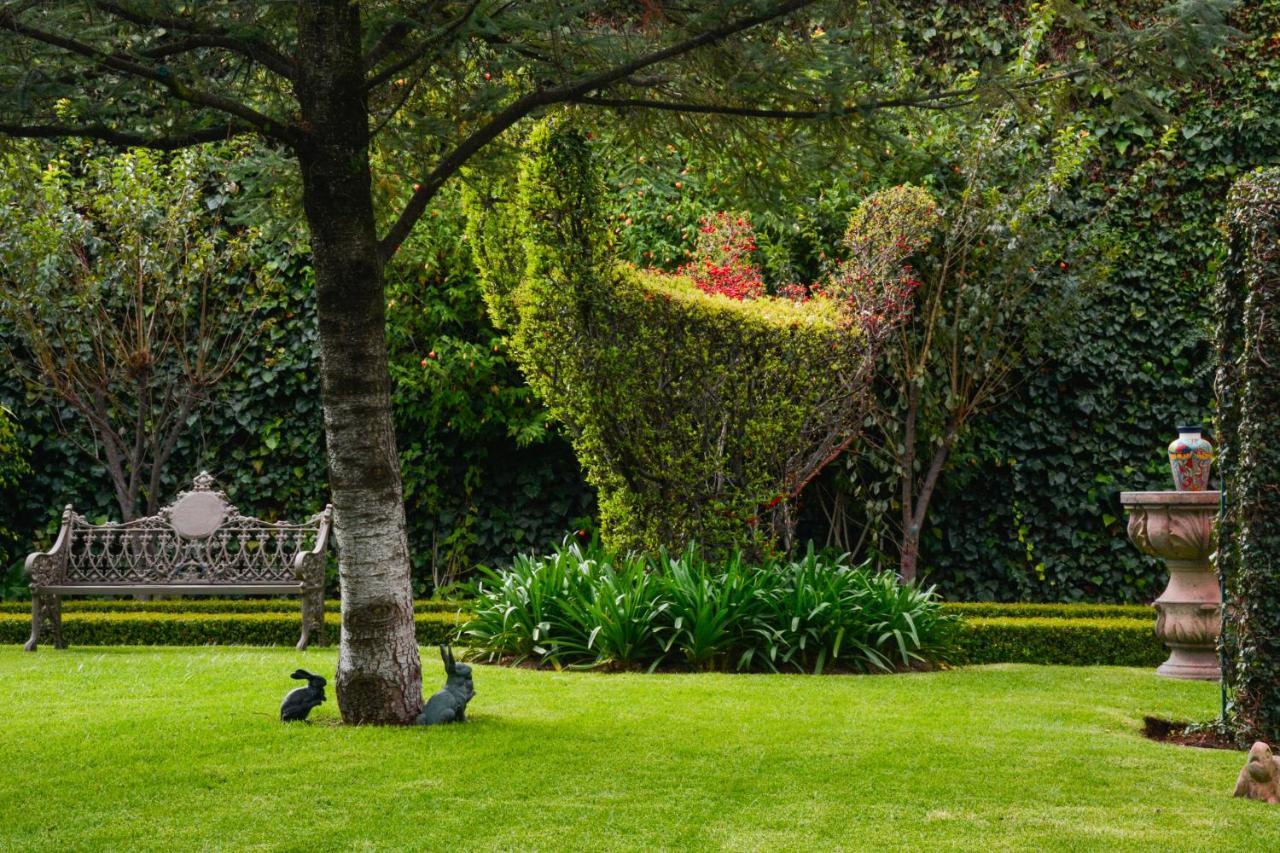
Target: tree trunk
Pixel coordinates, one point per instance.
(379, 677)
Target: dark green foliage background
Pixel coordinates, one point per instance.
(1029, 507)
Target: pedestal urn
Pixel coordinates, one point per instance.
(1178, 528)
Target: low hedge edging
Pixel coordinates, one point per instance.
(970, 609)
(212, 605)
(979, 640)
(1073, 642)
(199, 629)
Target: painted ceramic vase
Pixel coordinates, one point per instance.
(1190, 456)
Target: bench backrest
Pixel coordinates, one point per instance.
(199, 538)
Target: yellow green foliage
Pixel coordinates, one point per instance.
(694, 414)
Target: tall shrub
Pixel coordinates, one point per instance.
(1248, 427)
(694, 414)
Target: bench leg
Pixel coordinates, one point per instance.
(46, 615)
(312, 617)
(34, 642)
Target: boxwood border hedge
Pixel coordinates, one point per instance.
(88, 628)
(1075, 635)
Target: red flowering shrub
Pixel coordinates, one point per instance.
(722, 258)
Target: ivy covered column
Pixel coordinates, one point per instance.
(1248, 427)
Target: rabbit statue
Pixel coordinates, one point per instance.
(449, 705)
(1260, 777)
(298, 704)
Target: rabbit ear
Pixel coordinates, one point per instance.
(447, 656)
(301, 674)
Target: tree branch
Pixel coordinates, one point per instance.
(257, 49)
(266, 125)
(418, 52)
(125, 138)
(390, 41)
(939, 100)
(571, 91)
(185, 45)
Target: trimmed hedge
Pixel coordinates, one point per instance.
(431, 605)
(988, 609)
(212, 605)
(1070, 642)
(1247, 301)
(197, 629)
(1043, 639)
(696, 416)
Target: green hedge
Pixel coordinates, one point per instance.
(699, 428)
(1071, 642)
(198, 629)
(431, 605)
(1248, 386)
(981, 609)
(211, 605)
(1044, 639)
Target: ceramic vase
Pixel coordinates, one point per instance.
(1190, 456)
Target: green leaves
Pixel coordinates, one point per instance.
(585, 606)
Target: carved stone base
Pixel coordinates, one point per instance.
(1198, 664)
(1178, 528)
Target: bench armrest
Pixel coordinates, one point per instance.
(308, 566)
(46, 568)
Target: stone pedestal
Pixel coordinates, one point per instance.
(1178, 528)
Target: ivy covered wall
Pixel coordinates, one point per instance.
(1030, 508)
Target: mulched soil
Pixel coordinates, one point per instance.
(1170, 731)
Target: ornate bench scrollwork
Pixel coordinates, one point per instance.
(198, 545)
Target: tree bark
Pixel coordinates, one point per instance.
(379, 677)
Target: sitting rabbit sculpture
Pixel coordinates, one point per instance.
(298, 704)
(449, 705)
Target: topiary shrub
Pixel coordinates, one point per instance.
(698, 417)
(1248, 429)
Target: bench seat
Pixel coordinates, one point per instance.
(198, 545)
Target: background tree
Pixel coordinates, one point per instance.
(328, 80)
(130, 301)
(1002, 275)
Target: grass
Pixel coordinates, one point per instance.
(179, 749)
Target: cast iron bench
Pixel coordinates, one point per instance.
(198, 545)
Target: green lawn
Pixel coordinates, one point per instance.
(179, 749)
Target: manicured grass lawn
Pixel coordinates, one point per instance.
(179, 749)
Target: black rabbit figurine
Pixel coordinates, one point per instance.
(298, 704)
(450, 704)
